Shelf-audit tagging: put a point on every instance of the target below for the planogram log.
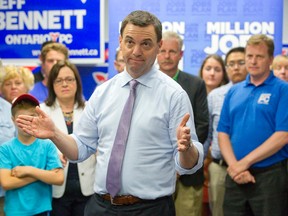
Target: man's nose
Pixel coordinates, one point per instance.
(137, 50)
(282, 70)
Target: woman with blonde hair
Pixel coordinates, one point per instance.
(280, 67)
(14, 81)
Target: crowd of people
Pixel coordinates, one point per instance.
(166, 142)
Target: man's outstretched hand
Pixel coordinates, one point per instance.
(40, 126)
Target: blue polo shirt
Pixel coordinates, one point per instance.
(251, 114)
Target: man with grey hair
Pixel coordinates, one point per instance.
(189, 188)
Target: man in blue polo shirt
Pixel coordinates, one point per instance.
(253, 132)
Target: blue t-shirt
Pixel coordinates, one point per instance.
(251, 114)
(39, 91)
(36, 197)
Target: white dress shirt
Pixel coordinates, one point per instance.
(151, 158)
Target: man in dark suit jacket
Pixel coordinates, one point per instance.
(189, 188)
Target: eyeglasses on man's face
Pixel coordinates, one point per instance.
(68, 80)
(232, 64)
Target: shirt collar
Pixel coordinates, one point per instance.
(268, 80)
(145, 79)
(175, 77)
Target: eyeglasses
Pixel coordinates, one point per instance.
(68, 80)
(232, 64)
(120, 61)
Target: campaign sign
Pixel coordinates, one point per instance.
(207, 27)
(26, 24)
(91, 78)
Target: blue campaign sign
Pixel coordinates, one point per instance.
(26, 24)
(91, 78)
(206, 26)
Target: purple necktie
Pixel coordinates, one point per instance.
(113, 180)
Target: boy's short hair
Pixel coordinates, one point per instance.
(24, 101)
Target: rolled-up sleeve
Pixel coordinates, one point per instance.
(180, 106)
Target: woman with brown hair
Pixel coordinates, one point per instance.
(64, 105)
(213, 72)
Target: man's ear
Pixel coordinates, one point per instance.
(120, 40)
(271, 61)
(160, 43)
(159, 46)
(40, 58)
(115, 63)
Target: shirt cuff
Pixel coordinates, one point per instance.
(197, 166)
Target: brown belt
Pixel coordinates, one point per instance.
(121, 200)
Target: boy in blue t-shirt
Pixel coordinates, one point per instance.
(28, 167)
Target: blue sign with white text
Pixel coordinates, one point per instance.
(26, 24)
(206, 26)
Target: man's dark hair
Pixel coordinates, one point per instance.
(143, 19)
(234, 50)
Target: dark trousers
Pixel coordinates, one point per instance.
(69, 206)
(97, 206)
(268, 196)
(72, 203)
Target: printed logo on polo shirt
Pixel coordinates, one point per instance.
(264, 99)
